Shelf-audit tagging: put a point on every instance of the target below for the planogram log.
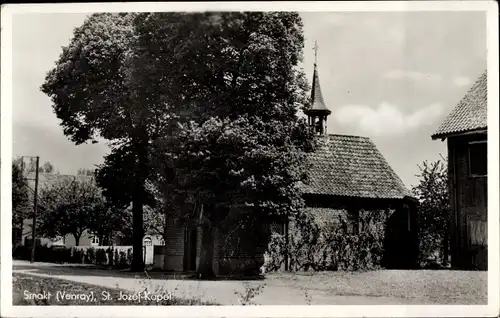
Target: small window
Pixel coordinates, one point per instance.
(95, 240)
(477, 231)
(478, 159)
(148, 241)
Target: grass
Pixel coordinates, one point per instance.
(68, 293)
(420, 286)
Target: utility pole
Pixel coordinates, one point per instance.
(35, 208)
(35, 203)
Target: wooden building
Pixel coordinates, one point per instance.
(466, 132)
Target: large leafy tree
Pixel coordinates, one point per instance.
(105, 220)
(155, 81)
(94, 92)
(66, 207)
(239, 144)
(74, 205)
(433, 211)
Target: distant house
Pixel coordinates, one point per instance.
(466, 132)
(348, 175)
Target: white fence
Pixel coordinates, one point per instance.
(146, 250)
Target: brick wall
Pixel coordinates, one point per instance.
(174, 245)
(239, 250)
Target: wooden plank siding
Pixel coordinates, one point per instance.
(469, 204)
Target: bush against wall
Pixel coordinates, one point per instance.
(330, 245)
(101, 257)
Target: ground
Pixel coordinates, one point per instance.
(384, 287)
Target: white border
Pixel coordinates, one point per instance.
(493, 307)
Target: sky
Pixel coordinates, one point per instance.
(390, 76)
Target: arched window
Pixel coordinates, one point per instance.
(148, 241)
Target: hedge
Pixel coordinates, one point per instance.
(110, 256)
(329, 247)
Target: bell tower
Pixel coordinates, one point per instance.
(317, 113)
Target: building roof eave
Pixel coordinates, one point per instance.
(483, 130)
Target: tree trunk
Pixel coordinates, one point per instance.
(137, 236)
(205, 268)
(19, 238)
(165, 256)
(141, 144)
(77, 239)
(446, 248)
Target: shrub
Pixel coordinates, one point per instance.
(111, 255)
(61, 254)
(90, 255)
(21, 253)
(329, 246)
(101, 257)
(77, 255)
(129, 257)
(43, 253)
(274, 258)
(116, 258)
(122, 261)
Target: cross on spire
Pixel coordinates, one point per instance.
(316, 47)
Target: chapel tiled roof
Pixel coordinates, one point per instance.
(352, 166)
(470, 113)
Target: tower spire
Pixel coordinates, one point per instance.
(317, 113)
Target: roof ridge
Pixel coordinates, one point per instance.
(346, 135)
(60, 175)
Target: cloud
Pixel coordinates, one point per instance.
(462, 81)
(387, 119)
(412, 75)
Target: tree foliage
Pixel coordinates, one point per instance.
(329, 244)
(47, 167)
(239, 143)
(73, 205)
(93, 90)
(20, 199)
(174, 91)
(433, 211)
